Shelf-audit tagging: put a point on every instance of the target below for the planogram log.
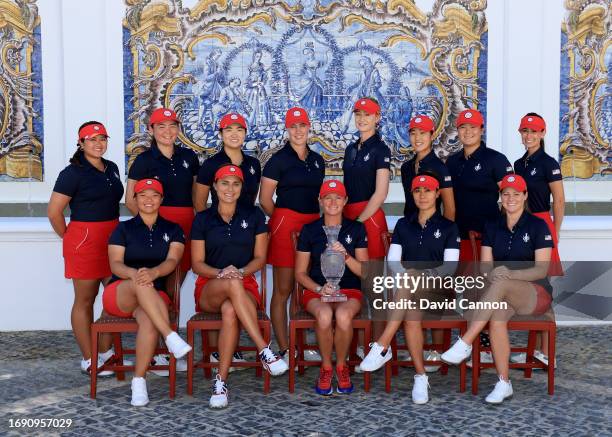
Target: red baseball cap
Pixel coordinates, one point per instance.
(422, 122)
(470, 116)
(92, 130)
(162, 114)
(532, 122)
(332, 186)
(513, 181)
(296, 115)
(148, 184)
(367, 105)
(426, 181)
(229, 170)
(232, 118)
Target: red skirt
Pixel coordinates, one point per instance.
(249, 282)
(308, 295)
(182, 216)
(109, 300)
(85, 249)
(284, 222)
(555, 268)
(466, 254)
(376, 227)
(544, 299)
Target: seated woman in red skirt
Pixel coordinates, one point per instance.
(142, 252)
(517, 236)
(229, 244)
(352, 242)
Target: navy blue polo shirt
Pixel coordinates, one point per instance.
(538, 170)
(430, 163)
(475, 186)
(230, 243)
(251, 168)
(313, 239)
(299, 181)
(519, 244)
(360, 166)
(175, 174)
(425, 243)
(94, 194)
(146, 247)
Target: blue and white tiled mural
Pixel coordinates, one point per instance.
(586, 90)
(260, 58)
(21, 106)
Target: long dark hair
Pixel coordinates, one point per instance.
(78, 155)
(534, 114)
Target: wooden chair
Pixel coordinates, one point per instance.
(301, 320)
(120, 325)
(205, 322)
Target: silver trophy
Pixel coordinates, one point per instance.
(332, 265)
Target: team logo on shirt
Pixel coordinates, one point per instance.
(477, 167)
(458, 239)
(556, 171)
(185, 164)
(447, 178)
(317, 164)
(365, 158)
(252, 170)
(437, 234)
(348, 239)
(116, 175)
(526, 237)
(244, 224)
(533, 172)
(547, 237)
(509, 168)
(166, 237)
(386, 159)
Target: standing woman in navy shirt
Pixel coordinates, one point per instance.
(92, 187)
(143, 251)
(295, 173)
(175, 167)
(423, 239)
(232, 129)
(366, 168)
(230, 242)
(543, 176)
(352, 242)
(516, 236)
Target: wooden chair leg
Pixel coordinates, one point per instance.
(367, 339)
(93, 375)
(446, 344)
(119, 352)
(531, 341)
(301, 345)
(172, 376)
(475, 365)
(462, 366)
(292, 340)
(206, 354)
(552, 338)
(190, 356)
(394, 368)
(266, 336)
(388, 371)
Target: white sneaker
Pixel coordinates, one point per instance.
(238, 358)
(313, 355)
(485, 358)
(272, 362)
(376, 358)
(420, 394)
(218, 398)
(86, 367)
(140, 397)
(457, 353)
(176, 345)
(164, 360)
(539, 355)
(360, 352)
(403, 355)
(502, 390)
(518, 357)
(431, 356)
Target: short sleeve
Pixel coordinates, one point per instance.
(446, 180)
(304, 242)
(198, 230)
(67, 182)
(177, 235)
(452, 239)
(260, 222)
(194, 162)
(488, 235)
(553, 170)
(272, 169)
(501, 167)
(383, 158)
(206, 173)
(542, 238)
(396, 237)
(139, 169)
(118, 237)
(361, 241)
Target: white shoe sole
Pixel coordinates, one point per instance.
(497, 402)
(218, 406)
(420, 402)
(139, 404)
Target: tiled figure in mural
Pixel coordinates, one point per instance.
(606, 108)
(232, 99)
(369, 83)
(209, 86)
(256, 94)
(311, 91)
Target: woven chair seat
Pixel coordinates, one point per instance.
(204, 316)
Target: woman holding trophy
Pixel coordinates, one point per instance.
(335, 248)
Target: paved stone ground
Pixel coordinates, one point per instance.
(39, 378)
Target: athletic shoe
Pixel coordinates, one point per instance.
(238, 358)
(324, 383)
(403, 355)
(177, 346)
(271, 362)
(457, 353)
(431, 356)
(518, 357)
(218, 399)
(360, 352)
(502, 390)
(86, 365)
(420, 394)
(164, 360)
(343, 377)
(312, 355)
(485, 358)
(376, 358)
(539, 355)
(140, 398)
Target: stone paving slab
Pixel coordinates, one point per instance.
(39, 377)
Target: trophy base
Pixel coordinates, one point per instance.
(334, 298)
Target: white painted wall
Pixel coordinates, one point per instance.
(83, 72)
